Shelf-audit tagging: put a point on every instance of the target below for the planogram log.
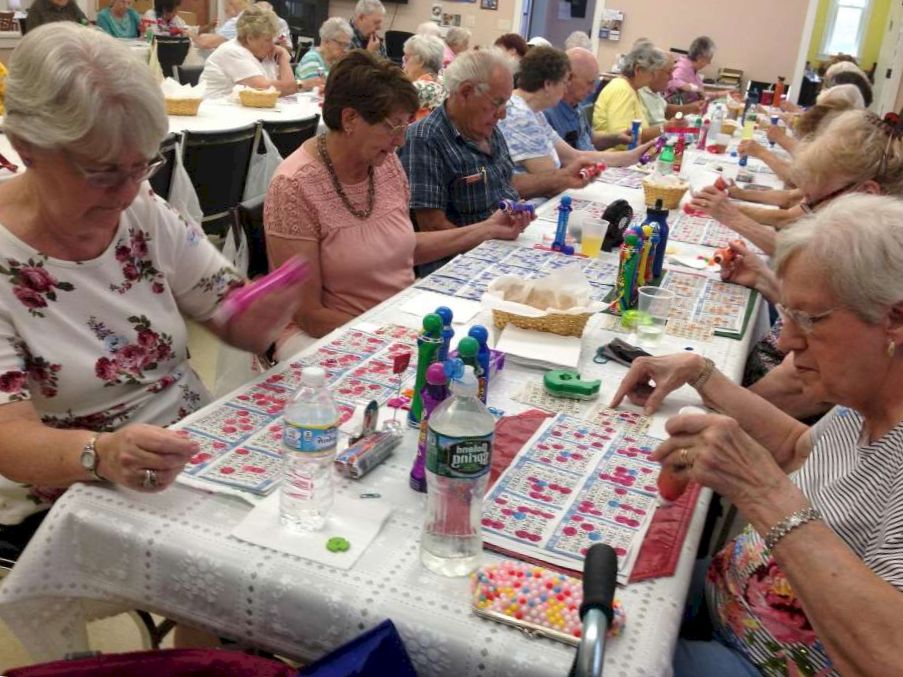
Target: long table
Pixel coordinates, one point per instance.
(106, 549)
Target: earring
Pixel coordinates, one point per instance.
(891, 348)
(25, 162)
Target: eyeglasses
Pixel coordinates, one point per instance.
(496, 103)
(810, 207)
(400, 128)
(805, 321)
(110, 178)
(345, 46)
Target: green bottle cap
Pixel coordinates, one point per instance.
(468, 347)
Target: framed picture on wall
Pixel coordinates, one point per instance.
(489, 4)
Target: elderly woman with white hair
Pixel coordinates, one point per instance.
(335, 41)
(686, 84)
(366, 22)
(422, 63)
(97, 276)
(619, 103)
(252, 59)
(578, 39)
(814, 584)
(458, 39)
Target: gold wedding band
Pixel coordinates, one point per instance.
(683, 456)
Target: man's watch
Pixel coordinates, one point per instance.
(89, 458)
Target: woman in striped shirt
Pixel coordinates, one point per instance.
(335, 41)
(814, 585)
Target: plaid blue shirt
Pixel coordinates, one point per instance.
(449, 172)
(571, 125)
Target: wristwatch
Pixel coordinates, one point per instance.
(89, 458)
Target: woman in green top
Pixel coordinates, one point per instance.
(119, 19)
(335, 41)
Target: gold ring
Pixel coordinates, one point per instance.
(684, 457)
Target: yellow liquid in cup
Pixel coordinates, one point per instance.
(590, 246)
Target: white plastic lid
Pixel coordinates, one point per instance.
(467, 383)
(313, 376)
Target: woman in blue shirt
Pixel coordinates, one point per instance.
(119, 19)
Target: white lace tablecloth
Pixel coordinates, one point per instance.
(103, 549)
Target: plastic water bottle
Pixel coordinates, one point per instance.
(458, 457)
(665, 164)
(308, 452)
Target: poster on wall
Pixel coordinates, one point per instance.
(489, 4)
(612, 21)
(564, 10)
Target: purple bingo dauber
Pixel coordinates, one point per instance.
(512, 207)
(289, 273)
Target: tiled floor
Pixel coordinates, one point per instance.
(120, 633)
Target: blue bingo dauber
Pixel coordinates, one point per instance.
(512, 207)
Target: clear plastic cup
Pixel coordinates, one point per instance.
(653, 310)
(593, 233)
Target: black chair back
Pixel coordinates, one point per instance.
(188, 75)
(162, 180)
(303, 48)
(395, 44)
(288, 135)
(171, 51)
(247, 217)
(217, 163)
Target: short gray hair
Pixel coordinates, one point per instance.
(257, 22)
(365, 7)
(82, 91)
(457, 36)
(863, 257)
(703, 46)
(428, 48)
(334, 27)
(578, 39)
(643, 55)
(429, 28)
(476, 66)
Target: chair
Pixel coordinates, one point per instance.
(217, 163)
(678, 50)
(288, 135)
(247, 217)
(171, 51)
(188, 75)
(7, 22)
(395, 44)
(23, 25)
(162, 180)
(302, 47)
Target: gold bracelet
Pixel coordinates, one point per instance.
(704, 375)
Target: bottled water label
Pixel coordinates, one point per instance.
(310, 439)
(458, 457)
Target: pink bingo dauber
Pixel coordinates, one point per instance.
(534, 599)
(291, 272)
(593, 171)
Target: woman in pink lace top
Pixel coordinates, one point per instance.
(341, 201)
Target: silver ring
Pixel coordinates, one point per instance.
(150, 479)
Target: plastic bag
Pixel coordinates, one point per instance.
(182, 195)
(262, 167)
(235, 249)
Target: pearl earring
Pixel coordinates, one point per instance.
(891, 348)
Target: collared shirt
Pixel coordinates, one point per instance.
(359, 41)
(684, 74)
(617, 107)
(449, 172)
(45, 12)
(571, 124)
(655, 106)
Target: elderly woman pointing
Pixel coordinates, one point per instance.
(96, 277)
(814, 584)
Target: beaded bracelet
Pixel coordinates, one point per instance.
(789, 523)
(704, 375)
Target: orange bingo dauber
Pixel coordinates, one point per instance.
(725, 255)
(721, 184)
(593, 171)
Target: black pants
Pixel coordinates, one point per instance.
(14, 537)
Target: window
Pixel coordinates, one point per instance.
(845, 27)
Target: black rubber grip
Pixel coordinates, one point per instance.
(600, 576)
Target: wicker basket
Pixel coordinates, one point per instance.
(669, 195)
(555, 323)
(256, 98)
(182, 106)
(729, 127)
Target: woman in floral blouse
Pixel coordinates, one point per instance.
(422, 62)
(96, 275)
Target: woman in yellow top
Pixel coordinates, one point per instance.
(3, 74)
(619, 104)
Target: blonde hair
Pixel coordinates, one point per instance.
(257, 22)
(857, 146)
(863, 257)
(82, 91)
